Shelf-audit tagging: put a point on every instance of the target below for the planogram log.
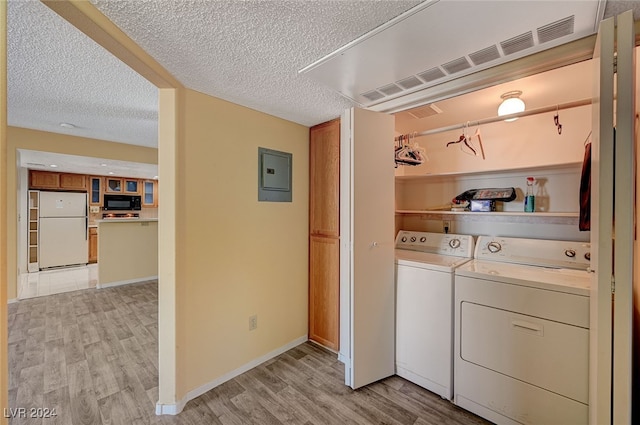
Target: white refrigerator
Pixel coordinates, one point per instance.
(64, 237)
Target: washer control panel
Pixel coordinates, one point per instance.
(436, 243)
(535, 252)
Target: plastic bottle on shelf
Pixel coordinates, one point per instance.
(529, 198)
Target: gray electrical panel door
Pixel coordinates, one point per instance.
(274, 175)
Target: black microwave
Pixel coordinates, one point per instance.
(122, 202)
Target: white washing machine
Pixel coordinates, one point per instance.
(425, 264)
(522, 331)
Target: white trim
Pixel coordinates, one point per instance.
(174, 409)
(12, 300)
(126, 282)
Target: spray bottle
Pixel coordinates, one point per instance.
(529, 198)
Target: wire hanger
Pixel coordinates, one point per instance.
(556, 120)
(463, 139)
(587, 139)
(477, 135)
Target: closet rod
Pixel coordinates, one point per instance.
(553, 108)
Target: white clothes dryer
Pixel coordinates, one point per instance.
(425, 264)
(522, 331)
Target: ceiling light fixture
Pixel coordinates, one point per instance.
(511, 104)
(53, 166)
(111, 173)
(103, 165)
(67, 125)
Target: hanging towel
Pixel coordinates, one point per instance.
(584, 223)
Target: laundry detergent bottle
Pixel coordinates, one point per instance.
(529, 197)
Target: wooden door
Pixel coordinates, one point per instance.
(367, 284)
(324, 244)
(324, 281)
(324, 179)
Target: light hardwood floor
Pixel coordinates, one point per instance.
(92, 356)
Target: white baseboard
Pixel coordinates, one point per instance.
(174, 409)
(125, 282)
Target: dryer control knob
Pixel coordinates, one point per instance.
(413, 238)
(454, 243)
(494, 247)
(587, 256)
(570, 253)
(404, 239)
(423, 239)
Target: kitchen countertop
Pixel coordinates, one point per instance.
(125, 220)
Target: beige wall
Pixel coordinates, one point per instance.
(127, 251)
(3, 209)
(21, 138)
(236, 257)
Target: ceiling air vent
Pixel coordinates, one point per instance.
(556, 29)
(372, 95)
(409, 83)
(431, 74)
(424, 111)
(518, 43)
(485, 55)
(456, 65)
(390, 89)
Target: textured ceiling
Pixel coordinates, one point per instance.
(249, 52)
(246, 52)
(57, 75)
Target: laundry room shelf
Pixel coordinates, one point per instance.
(511, 213)
(503, 216)
(504, 172)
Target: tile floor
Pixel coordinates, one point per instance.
(49, 282)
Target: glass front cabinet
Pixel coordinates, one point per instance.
(150, 193)
(95, 190)
(131, 186)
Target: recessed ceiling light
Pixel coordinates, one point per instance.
(155, 177)
(67, 125)
(103, 165)
(53, 166)
(111, 172)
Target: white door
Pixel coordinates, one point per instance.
(367, 208)
(624, 219)
(612, 174)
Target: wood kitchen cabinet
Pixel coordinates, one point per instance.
(52, 180)
(73, 181)
(93, 244)
(44, 180)
(324, 243)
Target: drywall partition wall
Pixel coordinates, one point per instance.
(127, 251)
(236, 257)
(22, 138)
(4, 378)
